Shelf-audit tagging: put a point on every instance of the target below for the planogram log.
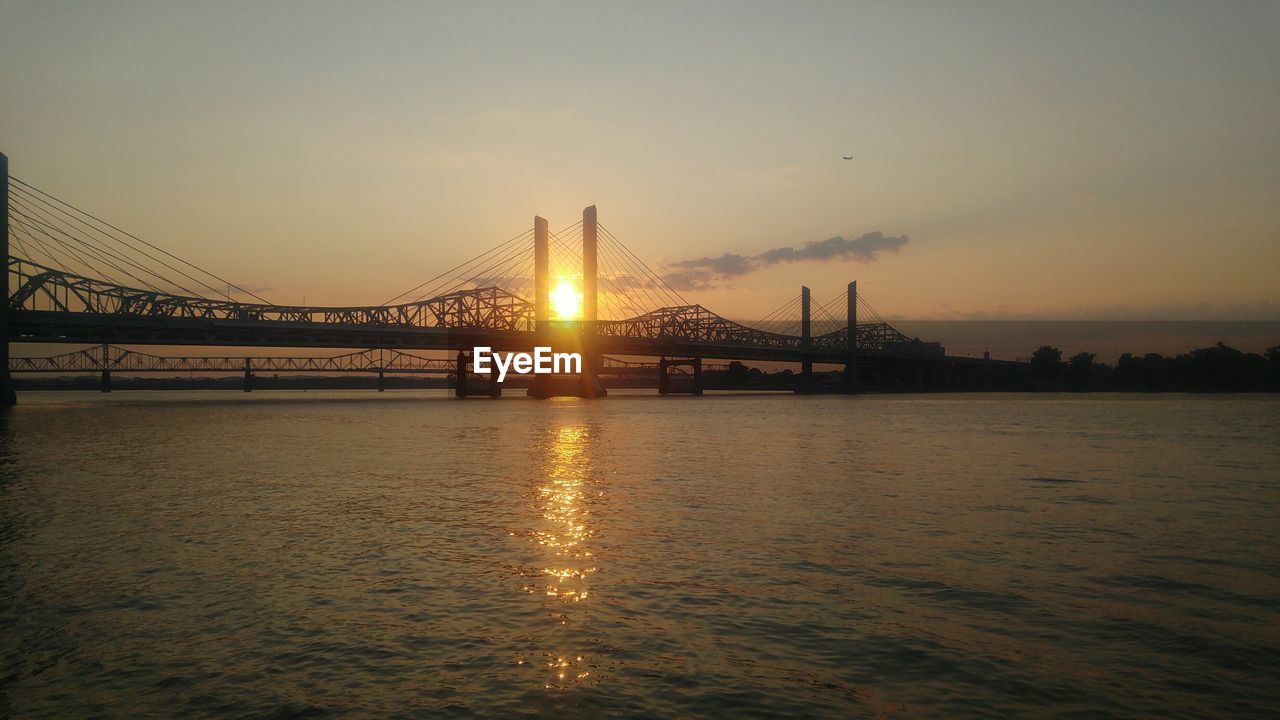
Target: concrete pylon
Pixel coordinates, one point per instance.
(7, 395)
(806, 343)
(541, 386)
(541, 274)
(590, 385)
(460, 375)
(694, 365)
(561, 337)
(105, 385)
(851, 359)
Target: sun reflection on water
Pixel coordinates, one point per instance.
(563, 536)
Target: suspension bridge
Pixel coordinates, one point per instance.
(73, 277)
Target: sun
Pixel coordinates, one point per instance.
(566, 301)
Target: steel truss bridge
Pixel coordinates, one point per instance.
(50, 305)
(114, 359)
(72, 277)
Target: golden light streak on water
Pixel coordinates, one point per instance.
(564, 535)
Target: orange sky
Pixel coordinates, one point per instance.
(1090, 161)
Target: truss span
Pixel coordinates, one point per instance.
(111, 358)
(38, 288)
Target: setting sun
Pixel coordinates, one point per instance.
(566, 301)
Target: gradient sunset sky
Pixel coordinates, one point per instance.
(1044, 159)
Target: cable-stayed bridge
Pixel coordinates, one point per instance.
(73, 277)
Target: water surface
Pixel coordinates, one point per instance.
(359, 554)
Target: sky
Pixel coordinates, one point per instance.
(1035, 160)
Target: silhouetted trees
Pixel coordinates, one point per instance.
(1219, 368)
(1046, 368)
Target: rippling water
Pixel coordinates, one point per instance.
(355, 554)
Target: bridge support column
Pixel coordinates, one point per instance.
(586, 385)
(460, 376)
(7, 395)
(382, 381)
(540, 386)
(590, 386)
(248, 375)
(541, 275)
(694, 375)
(806, 344)
(106, 369)
(851, 382)
(463, 385)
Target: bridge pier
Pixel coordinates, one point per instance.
(590, 385)
(106, 369)
(540, 385)
(248, 375)
(586, 385)
(665, 386)
(462, 386)
(851, 383)
(7, 396)
(460, 376)
(382, 381)
(806, 344)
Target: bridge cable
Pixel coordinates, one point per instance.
(492, 255)
(58, 226)
(642, 281)
(645, 269)
(100, 251)
(421, 285)
(645, 277)
(610, 236)
(638, 283)
(102, 222)
(506, 256)
(616, 277)
(612, 278)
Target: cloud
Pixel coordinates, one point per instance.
(703, 273)
(250, 288)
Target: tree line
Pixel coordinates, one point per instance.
(1219, 368)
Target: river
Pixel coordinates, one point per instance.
(353, 554)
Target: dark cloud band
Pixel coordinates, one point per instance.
(705, 272)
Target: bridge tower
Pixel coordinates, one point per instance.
(851, 360)
(806, 343)
(549, 333)
(541, 275)
(7, 396)
(541, 385)
(591, 360)
(105, 383)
